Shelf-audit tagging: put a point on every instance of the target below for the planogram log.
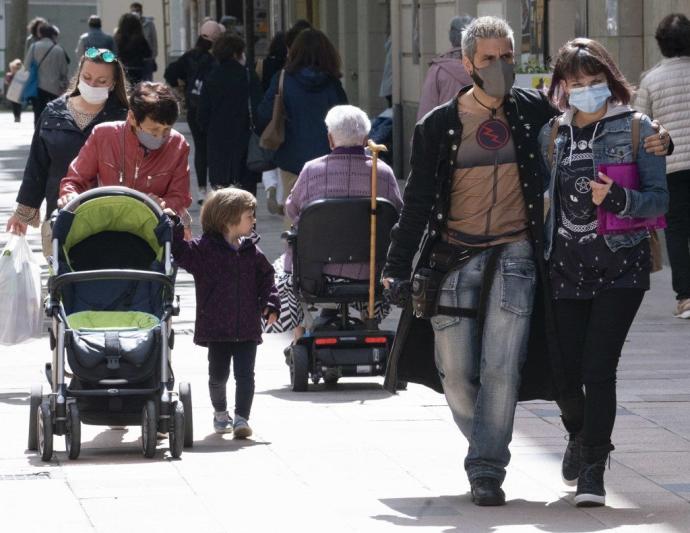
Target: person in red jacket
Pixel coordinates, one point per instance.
(143, 153)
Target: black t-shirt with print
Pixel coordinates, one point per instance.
(581, 262)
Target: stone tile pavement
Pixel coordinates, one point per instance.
(353, 458)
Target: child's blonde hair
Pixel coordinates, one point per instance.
(224, 208)
(15, 65)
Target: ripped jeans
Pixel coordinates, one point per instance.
(481, 382)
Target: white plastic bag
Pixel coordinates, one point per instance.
(20, 292)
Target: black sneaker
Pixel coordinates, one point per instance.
(570, 469)
(590, 484)
(486, 491)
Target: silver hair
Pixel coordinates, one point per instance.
(348, 125)
(457, 25)
(485, 28)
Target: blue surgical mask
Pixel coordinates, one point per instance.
(150, 141)
(590, 99)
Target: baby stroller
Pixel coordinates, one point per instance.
(111, 299)
(340, 345)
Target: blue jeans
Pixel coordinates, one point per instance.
(481, 382)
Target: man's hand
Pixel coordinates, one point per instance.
(397, 290)
(65, 199)
(16, 226)
(659, 142)
(270, 314)
(600, 190)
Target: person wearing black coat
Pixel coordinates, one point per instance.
(274, 61)
(192, 68)
(490, 341)
(225, 117)
(97, 94)
(132, 47)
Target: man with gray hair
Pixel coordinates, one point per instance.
(473, 328)
(446, 74)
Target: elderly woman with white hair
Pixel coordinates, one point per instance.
(345, 172)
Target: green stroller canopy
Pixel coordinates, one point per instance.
(114, 213)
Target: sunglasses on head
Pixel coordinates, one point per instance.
(106, 55)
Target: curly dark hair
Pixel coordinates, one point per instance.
(313, 49)
(587, 56)
(155, 101)
(673, 35)
(228, 46)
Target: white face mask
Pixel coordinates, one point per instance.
(93, 95)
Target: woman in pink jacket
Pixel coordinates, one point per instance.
(143, 153)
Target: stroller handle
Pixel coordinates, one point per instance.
(113, 190)
(56, 283)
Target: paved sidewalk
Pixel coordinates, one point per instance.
(352, 458)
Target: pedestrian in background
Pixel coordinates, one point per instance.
(95, 37)
(131, 47)
(597, 282)
(97, 93)
(664, 96)
(190, 70)
(446, 74)
(12, 69)
(148, 27)
(234, 288)
(227, 94)
(32, 31)
(311, 87)
(52, 69)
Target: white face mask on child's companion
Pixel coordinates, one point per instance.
(93, 95)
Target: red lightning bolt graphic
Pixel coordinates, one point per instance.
(488, 132)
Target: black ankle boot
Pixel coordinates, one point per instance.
(590, 482)
(570, 469)
(486, 491)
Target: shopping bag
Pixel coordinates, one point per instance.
(20, 292)
(16, 88)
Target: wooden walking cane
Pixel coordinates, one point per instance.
(374, 149)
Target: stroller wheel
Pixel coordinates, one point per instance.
(186, 399)
(44, 423)
(149, 429)
(35, 403)
(176, 433)
(299, 368)
(73, 431)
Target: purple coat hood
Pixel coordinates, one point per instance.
(444, 79)
(233, 286)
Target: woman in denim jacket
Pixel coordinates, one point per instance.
(597, 282)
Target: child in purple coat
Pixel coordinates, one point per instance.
(234, 289)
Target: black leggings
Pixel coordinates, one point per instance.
(243, 355)
(591, 334)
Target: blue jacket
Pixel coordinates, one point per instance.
(612, 143)
(308, 95)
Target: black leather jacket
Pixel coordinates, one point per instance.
(427, 192)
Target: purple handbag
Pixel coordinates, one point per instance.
(627, 176)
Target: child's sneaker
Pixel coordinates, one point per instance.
(241, 429)
(222, 422)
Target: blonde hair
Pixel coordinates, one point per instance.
(15, 65)
(224, 208)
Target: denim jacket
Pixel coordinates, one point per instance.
(612, 143)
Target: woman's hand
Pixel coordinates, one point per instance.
(600, 190)
(65, 199)
(16, 226)
(158, 200)
(270, 314)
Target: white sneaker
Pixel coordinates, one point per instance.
(222, 422)
(241, 429)
(683, 308)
